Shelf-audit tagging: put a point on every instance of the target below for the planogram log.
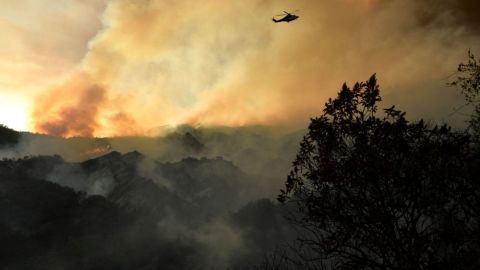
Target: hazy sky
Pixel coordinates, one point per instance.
(122, 67)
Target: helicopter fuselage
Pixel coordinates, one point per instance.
(288, 18)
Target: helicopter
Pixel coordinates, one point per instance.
(287, 17)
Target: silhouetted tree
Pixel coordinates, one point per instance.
(468, 80)
(380, 192)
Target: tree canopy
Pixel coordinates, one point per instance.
(375, 191)
(468, 80)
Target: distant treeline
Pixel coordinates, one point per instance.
(8, 137)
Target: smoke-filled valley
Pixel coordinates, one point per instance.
(193, 199)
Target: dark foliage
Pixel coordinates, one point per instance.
(262, 224)
(468, 80)
(8, 137)
(380, 192)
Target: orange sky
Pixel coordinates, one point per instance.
(122, 67)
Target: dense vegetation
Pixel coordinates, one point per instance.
(375, 191)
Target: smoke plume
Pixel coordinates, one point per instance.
(157, 63)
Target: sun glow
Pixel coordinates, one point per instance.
(14, 113)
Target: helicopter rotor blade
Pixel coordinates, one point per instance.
(286, 13)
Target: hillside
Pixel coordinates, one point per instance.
(87, 215)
